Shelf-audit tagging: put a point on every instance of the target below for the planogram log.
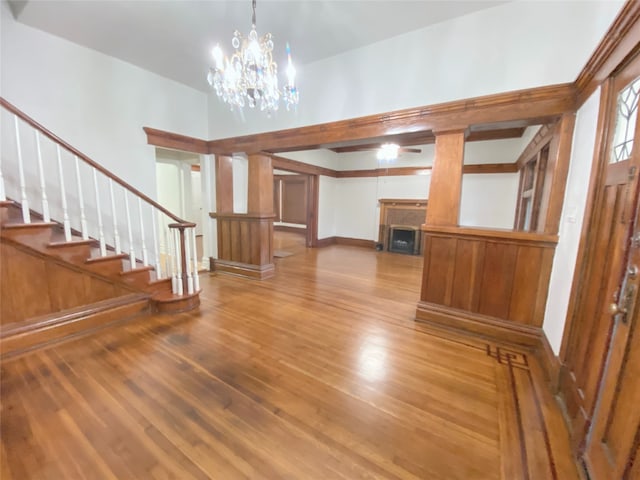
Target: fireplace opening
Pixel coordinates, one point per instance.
(403, 240)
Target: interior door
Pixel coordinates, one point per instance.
(613, 438)
(598, 336)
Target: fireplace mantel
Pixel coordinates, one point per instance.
(410, 212)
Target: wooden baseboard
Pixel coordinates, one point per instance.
(260, 272)
(285, 228)
(549, 362)
(494, 329)
(325, 242)
(54, 328)
(355, 242)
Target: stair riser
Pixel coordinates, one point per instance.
(35, 237)
(76, 254)
(41, 337)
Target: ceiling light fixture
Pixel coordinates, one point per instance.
(250, 76)
(388, 152)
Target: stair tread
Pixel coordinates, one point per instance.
(11, 226)
(72, 242)
(71, 313)
(132, 271)
(106, 258)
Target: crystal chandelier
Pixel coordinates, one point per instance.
(250, 76)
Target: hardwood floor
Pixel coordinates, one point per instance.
(318, 373)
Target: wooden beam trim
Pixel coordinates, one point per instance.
(281, 163)
(175, 141)
(502, 235)
(541, 102)
(619, 43)
(242, 216)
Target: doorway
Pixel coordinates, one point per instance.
(600, 378)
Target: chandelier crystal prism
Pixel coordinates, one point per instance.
(250, 76)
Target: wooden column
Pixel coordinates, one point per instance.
(446, 179)
(224, 184)
(245, 244)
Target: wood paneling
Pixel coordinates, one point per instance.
(224, 183)
(319, 373)
(34, 285)
(501, 275)
(245, 244)
(294, 199)
(445, 188)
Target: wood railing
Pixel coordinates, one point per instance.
(486, 275)
(41, 171)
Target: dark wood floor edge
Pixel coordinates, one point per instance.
(480, 326)
(289, 229)
(549, 362)
(351, 242)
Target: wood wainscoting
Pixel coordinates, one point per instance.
(245, 244)
(489, 282)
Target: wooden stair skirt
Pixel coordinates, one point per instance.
(20, 337)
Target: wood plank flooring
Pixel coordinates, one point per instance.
(318, 373)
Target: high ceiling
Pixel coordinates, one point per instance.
(174, 38)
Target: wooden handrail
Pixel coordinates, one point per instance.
(13, 109)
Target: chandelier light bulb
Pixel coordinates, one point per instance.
(250, 76)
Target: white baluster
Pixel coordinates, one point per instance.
(26, 214)
(168, 255)
(132, 253)
(171, 268)
(145, 258)
(63, 194)
(103, 246)
(196, 278)
(188, 265)
(45, 203)
(178, 257)
(83, 217)
(155, 242)
(116, 235)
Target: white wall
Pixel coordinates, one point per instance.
(489, 200)
(548, 43)
(95, 102)
(571, 221)
(326, 206)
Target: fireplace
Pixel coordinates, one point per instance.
(401, 214)
(404, 239)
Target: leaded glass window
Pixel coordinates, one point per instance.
(626, 115)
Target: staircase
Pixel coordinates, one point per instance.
(79, 247)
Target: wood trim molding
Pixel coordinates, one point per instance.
(355, 242)
(242, 216)
(479, 325)
(490, 168)
(536, 105)
(325, 242)
(288, 165)
(383, 172)
(175, 141)
(540, 139)
(260, 272)
(289, 229)
(501, 235)
(549, 362)
(619, 43)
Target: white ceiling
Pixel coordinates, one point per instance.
(174, 38)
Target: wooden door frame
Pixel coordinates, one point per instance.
(313, 194)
